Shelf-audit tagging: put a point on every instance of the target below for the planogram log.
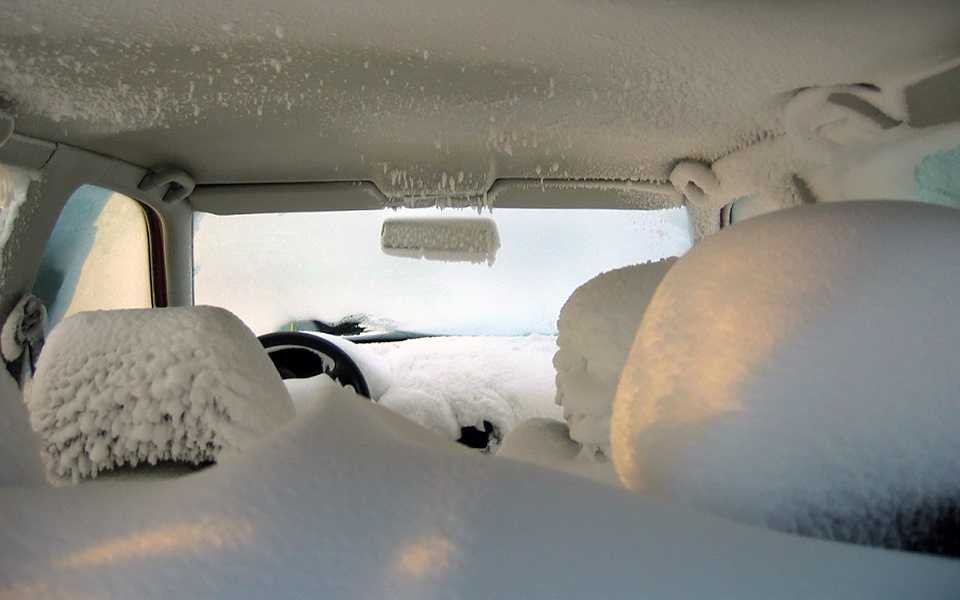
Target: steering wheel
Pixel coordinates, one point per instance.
(299, 355)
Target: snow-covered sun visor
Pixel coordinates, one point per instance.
(454, 239)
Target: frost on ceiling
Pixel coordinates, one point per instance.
(440, 96)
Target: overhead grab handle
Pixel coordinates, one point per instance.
(179, 184)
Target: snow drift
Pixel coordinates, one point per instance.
(132, 386)
(799, 371)
(447, 383)
(547, 443)
(352, 501)
(597, 326)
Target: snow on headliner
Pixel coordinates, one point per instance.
(408, 95)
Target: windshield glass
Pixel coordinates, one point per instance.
(283, 271)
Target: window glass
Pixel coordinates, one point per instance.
(13, 191)
(97, 257)
(279, 271)
(938, 177)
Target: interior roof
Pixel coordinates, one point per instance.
(441, 96)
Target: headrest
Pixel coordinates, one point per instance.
(595, 332)
(125, 387)
(800, 371)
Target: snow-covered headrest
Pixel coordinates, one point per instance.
(595, 332)
(125, 387)
(800, 371)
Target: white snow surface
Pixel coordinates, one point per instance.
(430, 411)
(446, 383)
(352, 501)
(306, 392)
(547, 443)
(597, 326)
(138, 386)
(809, 387)
(540, 439)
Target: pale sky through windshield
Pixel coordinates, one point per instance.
(273, 268)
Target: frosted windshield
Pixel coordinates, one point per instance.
(275, 270)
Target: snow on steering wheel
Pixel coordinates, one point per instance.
(298, 355)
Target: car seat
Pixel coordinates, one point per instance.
(125, 387)
(799, 371)
(595, 331)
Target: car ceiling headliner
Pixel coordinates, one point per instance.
(441, 96)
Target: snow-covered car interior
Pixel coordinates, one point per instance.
(467, 300)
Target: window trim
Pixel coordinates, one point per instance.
(157, 255)
(726, 215)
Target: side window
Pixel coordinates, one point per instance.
(98, 256)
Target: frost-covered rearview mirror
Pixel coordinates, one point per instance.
(454, 239)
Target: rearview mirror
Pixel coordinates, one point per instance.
(455, 239)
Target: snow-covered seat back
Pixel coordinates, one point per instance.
(126, 387)
(595, 331)
(800, 371)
